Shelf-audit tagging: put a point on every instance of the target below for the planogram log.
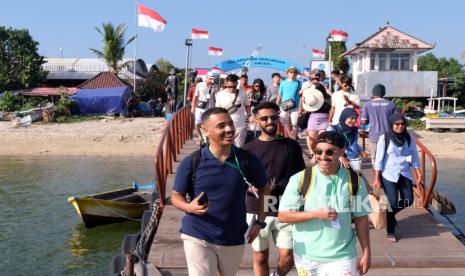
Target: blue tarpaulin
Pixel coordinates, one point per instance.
(102, 100)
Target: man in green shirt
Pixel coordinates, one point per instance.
(324, 240)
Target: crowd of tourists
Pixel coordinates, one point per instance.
(233, 192)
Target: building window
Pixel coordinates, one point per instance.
(372, 61)
(404, 61)
(394, 62)
(382, 61)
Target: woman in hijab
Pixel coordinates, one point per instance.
(347, 127)
(396, 153)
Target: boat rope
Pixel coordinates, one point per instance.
(114, 212)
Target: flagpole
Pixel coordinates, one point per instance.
(135, 46)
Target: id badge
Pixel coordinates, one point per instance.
(408, 158)
(335, 224)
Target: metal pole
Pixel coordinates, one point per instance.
(330, 63)
(188, 44)
(135, 47)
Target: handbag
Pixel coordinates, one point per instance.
(201, 104)
(287, 105)
(234, 107)
(302, 121)
(379, 205)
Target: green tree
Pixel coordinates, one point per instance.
(114, 46)
(337, 49)
(20, 63)
(446, 68)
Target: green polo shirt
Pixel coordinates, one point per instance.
(320, 240)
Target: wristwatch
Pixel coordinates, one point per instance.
(261, 223)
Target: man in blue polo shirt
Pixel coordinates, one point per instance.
(214, 225)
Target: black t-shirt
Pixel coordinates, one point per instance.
(281, 158)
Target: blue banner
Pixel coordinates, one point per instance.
(264, 62)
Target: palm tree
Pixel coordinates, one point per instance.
(114, 46)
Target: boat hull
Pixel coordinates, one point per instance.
(117, 207)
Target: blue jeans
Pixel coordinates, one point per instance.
(404, 187)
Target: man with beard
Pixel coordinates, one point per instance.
(216, 179)
(321, 203)
(281, 157)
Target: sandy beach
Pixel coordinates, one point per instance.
(137, 137)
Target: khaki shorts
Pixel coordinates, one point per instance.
(239, 137)
(373, 152)
(281, 233)
(205, 259)
(309, 268)
(291, 115)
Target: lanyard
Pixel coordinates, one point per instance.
(237, 167)
(343, 134)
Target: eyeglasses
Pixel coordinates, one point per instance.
(266, 118)
(318, 151)
(399, 124)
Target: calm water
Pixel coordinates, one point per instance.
(40, 232)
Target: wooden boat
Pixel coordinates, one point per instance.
(110, 207)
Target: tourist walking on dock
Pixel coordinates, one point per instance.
(395, 156)
(204, 98)
(216, 179)
(288, 99)
(237, 103)
(317, 101)
(376, 113)
(318, 202)
(273, 89)
(282, 158)
(244, 84)
(347, 127)
(346, 97)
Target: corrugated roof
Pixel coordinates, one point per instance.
(104, 80)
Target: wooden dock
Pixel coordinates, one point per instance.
(426, 247)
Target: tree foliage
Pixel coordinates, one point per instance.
(447, 68)
(337, 49)
(154, 84)
(114, 46)
(20, 63)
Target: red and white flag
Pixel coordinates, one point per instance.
(199, 34)
(150, 19)
(213, 51)
(339, 35)
(318, 53)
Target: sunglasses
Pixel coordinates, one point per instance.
(399, 124)
(293, 72)
(318, 151)
(231, 87)
(266, 118)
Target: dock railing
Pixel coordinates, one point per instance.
(426, 194)
(177, 131)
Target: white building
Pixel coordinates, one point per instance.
(390, 57)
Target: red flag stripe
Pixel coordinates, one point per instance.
(214, 49)
(141, 9)
(197, 31)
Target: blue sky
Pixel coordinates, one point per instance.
(282, 27)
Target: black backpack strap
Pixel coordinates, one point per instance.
(305, 185)
(195, 164)
(354, 181)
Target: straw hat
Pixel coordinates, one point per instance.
(312, 99)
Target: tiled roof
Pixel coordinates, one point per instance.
(104, 80)
(391, 38)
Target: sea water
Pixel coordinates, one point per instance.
(41, 233)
